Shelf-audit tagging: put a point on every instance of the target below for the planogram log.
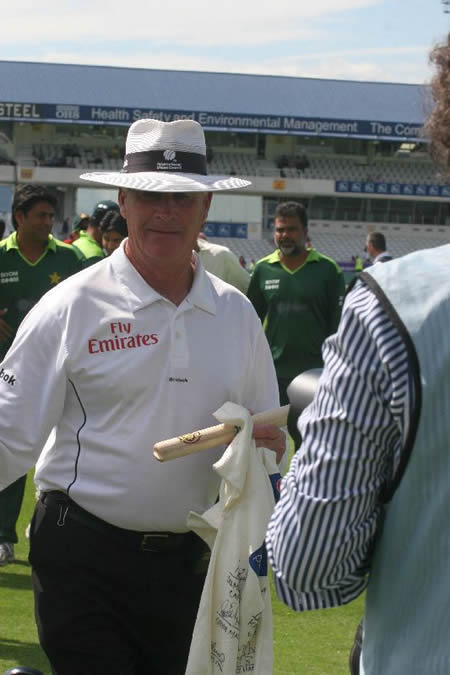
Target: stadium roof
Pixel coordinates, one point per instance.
(221, 95)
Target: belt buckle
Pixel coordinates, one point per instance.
(152, 542)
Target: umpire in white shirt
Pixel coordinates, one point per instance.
(143, 346)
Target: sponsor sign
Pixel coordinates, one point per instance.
(26, 173)
(277, 124)
(239, 230)
(396, 189)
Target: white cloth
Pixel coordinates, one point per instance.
(233, 630)
(116, 367)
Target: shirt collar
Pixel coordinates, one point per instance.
(202, 293)
(84, 235)
(140, 294)
(380, 256)
(313, 256)
(11, 243)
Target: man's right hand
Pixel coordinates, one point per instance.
(6, 332)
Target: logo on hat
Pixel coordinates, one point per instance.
(169, 155)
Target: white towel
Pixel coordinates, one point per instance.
(233, 630)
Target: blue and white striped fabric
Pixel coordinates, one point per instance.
(321, 533)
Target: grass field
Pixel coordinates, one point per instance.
(313, 643)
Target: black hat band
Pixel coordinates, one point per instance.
(165, 160)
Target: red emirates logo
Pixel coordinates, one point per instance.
(121, 338)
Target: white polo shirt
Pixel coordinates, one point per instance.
(116, 367)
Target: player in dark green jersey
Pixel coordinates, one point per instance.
(31, 263)
(297, 293)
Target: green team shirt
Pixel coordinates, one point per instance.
(299, 308)
(91, 250)
(23, 283)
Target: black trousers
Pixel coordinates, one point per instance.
(11, 499)
(103, 605)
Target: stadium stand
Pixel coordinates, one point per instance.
(341, 245)
(317, 141)
(322, 168)
(331, 168)
(249, 248)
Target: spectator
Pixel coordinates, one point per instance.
(302, 163)
(366, 500)
(376, 247)
(31, 262)
(119, 357)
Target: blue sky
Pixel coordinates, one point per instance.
(374, 40)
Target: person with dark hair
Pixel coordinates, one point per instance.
(32, 262)
(376, 247)
(114, 230)
(101, 209)
(2, 229)
(90, 240)
(297, 293)
(366, 500)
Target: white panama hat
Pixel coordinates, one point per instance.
(166, 157)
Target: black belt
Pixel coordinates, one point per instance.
(153, 542)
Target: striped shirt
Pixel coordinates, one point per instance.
(321, 533)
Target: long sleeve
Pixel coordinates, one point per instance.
(322, 530)
(36, 384)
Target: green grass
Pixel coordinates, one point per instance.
(18, 636)
(311, 643)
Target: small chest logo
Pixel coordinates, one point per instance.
(169, 155)
(55, 278)
(271, 284)
(7, 377)
(9, 277)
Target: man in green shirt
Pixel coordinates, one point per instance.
(31, 263)
(90, 239)
(297, 293)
